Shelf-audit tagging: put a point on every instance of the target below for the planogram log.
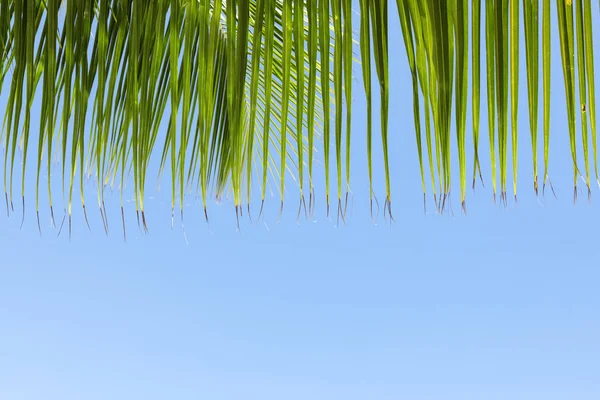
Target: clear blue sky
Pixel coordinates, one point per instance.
(499, 304)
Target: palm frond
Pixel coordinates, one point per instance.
(221, 91)
(140, 61)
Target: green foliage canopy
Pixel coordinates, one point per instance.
(236, 87)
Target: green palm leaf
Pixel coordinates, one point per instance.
(234, 89)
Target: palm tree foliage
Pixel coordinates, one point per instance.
(230, 92)
(222, 78)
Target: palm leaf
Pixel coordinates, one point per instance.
(234, 88)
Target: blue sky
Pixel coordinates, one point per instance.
(502, 303)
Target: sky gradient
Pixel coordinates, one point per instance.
(502, 303)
